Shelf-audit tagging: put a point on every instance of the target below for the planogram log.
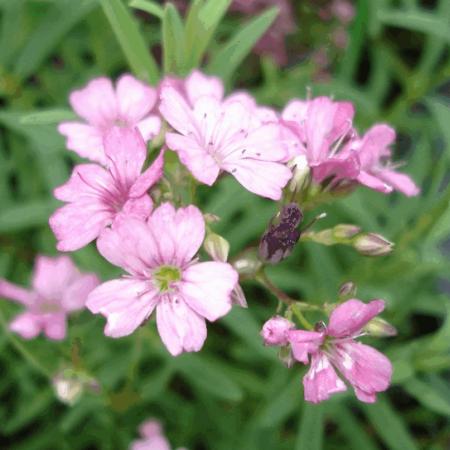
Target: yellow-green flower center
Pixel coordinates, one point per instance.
(165, 276)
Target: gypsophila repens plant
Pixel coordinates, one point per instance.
(149, 145)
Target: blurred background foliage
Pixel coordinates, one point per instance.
(391, 59)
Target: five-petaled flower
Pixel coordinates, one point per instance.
(104, 107)
(98, 196)
(58, 288)
(163, 273)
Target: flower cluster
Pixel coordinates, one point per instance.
(125, 200)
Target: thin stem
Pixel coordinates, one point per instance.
(301, 318)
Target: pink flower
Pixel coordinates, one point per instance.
(152, 437)
(97, 196)
(366, 369)
(163, 274)
(58, 288)
(322, 127)
(214, 136)
(376, 170)
(275, 331)
(103, 107)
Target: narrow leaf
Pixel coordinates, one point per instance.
(310, 434)
(149, 7)
(173, 41)
(47, 117)
(131, 40)
(225, 62)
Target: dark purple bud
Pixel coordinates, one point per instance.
(280, 238)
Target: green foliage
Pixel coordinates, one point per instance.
(235, 393)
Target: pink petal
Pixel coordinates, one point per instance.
(374, 145)
(139, 208)
(180, 233)
(350, 317)
(304, 343)
(180, 328)
(96, 103)
(77, 224)
(206, 288)
(26, 325)
(150, 428)
(55, 326)
(321, 381)
(365, 397)
(135, 99)
(155, 443)
(275, 331)
(199, 162)
(150, 176)
(13, 292)
(52, 276)
(263, 178)
(75, 295)
(130, 244)
(176, 110)
(126, 152)
(197, 85)
(400, 182)
(85, 140)
(126, 303)
(374, 182)
(365, 368)
(149, 127)
(337, 168)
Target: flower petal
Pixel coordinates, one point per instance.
(197, 85)
(365, 368)
(126, 303)
(350, 317)
(27, 325)
(180, 328)
(55, 326)
(263, 178)
(206, 287)
(176, 110)
(149, 127)
(400, 182)
(75, 294)
(135, 99)
(52, 276)
(96, 103)
(85, 140)
(321, 381)
(13, 292)
(304, 343)
(374, 182)
(150, 176)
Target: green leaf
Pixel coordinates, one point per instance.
(130, 39)
(205, 375)
(352, 428)
(173, 41)
(225, 62)
(389, 425)
(428, 396)
(56, 23)
(47, 117)
(310, 434)
(422, 21)
(148, 6)
(25, 215)
(201, 24)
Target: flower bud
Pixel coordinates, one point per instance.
(247, 263)
(238, 297)
(286, 357)
(345, 231)
(70, 384)
(279, 239)
(372, 244)
(347, 290)
(274, 331)
(217, 247)
(378, 327)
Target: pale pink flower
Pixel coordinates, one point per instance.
(58, 288)
(334, 346)
(152, 437)
(97, 196)
(377, 172)
(214, 136)
(159, 256)
(323, 127)
(275, 331)
(103, 107)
